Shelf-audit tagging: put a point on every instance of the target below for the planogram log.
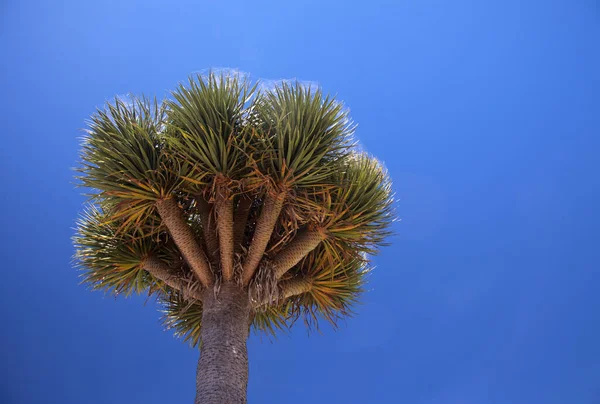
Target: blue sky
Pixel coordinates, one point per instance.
(486, 114)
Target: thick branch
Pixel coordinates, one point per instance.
(209, 228)
(262, 234)
(239, 222)
(294, 251)
(160, 271)
(294, 287)
(224, 209)
(183, 235)
(288, 288)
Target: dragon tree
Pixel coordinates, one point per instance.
(237, 207)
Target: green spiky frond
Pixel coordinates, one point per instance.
(184, 317)
(335, 287)
(124, 159)
(275, 318)
(208, 116)
(303, 134)
(360, 208)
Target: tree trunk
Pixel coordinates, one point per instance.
(222, 375)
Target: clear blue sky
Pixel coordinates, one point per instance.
(487, 114)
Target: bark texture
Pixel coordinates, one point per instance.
(172, 216)
(298, 248)
(225, 229)
(160, 271)
(209, 227)
(288, 288)
(222, 375)
(294, 287)
(262, 234)
(239, 223)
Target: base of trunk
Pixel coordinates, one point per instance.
(222, 375)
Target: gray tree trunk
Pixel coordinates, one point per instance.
(222, 375)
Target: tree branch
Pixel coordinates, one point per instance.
(209, 228)
(262, 234)
(294, 287)
(295, 250)
(172, 217)
(224, 210)
(160, 271)
(239, 222)
(288, 288)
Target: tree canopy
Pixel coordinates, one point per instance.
(228, 181)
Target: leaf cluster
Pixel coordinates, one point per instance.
(221, 130)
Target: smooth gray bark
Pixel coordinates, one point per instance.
(222, 375)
